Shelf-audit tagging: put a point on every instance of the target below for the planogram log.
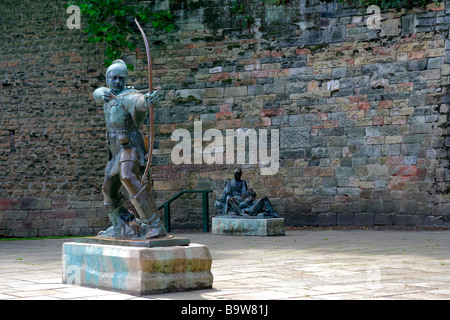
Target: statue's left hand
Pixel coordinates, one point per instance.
(152, 97)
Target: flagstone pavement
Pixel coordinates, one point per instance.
(303, 264)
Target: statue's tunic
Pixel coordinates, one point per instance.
(124, 116)
(234, 189)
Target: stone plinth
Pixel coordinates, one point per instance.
(244, 226)
(167, 241)
(137, 269)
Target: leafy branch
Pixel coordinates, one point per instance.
(111, 22)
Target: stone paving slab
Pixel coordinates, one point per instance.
(303, 264)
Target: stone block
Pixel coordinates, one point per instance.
(137, 270)
(364, 219)
(176, 114)
(185, 93)
(224, 225)
(295, 137)
(408, 24)
(313, 37)
(390, 27)
(415, 65)
(213, 93)
(345, 218)
(327, 219)
(274, 88)
(235, 91)
(254, 90)
(384, 219)
(404, 219)
(335, 34)
(435, 63)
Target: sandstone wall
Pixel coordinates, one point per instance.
(362, 113)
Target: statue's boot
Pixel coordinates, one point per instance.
(117, 214)
(148, 213)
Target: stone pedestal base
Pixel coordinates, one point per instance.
(248, 226)
(137, 270)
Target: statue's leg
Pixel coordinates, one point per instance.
(140, 194)
(113, 199)
(114, 204)
(258, 206)
(269, 207)
(235, 207)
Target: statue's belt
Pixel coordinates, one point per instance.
(123, 134)
(120, 131)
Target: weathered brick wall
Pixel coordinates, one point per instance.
(362, 113)
(51, 134)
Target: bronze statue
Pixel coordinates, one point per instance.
(237, 199)
(125, 111)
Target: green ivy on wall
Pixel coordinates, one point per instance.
(111, 22)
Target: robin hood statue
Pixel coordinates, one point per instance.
(125, 111)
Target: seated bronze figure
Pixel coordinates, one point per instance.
(237, 199)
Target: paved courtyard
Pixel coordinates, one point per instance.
(304, 264)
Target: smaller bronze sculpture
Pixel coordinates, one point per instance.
(237, 199)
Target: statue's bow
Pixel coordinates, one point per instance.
(150, 84)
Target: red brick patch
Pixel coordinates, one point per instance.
(405, 171)
(271, 112)
(387, 104)
(8, 204)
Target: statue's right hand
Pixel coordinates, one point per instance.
(106, 95)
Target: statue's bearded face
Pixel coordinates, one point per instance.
(117, 80)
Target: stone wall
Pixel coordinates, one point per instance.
(51, 134)
(362, 113)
